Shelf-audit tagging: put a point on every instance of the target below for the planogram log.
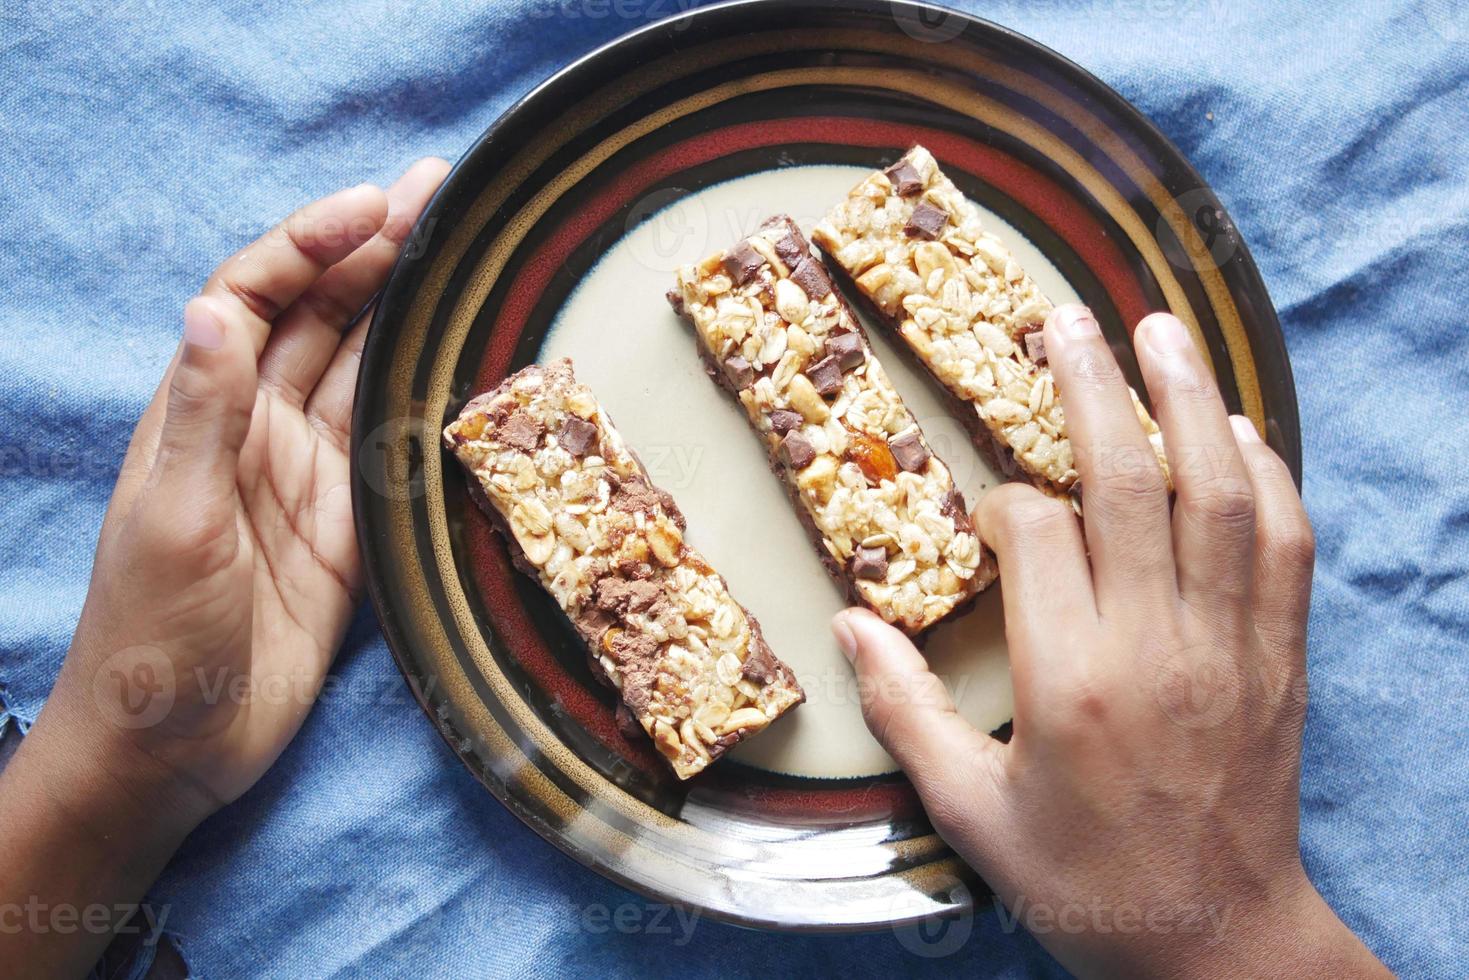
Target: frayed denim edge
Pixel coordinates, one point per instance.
(7, 713)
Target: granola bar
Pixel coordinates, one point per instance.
(881, 508)
(915, 247)
(582, 517)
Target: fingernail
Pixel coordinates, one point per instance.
(1075, 322)
(437, 163)
(202, 328)
(1165, 333)
(846, 639)
(1244, 429)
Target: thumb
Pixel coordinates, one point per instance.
(210, 399)
(910, 713)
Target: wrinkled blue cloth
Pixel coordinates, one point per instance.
(144, 140)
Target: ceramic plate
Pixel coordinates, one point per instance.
(558, 233)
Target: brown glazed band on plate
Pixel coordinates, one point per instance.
(582, 518)
(881, 508)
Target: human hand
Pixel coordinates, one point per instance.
(1135, 829)
(226, 571)
(227, 566)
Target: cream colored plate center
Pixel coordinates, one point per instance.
(639, 357)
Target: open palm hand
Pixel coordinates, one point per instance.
(227, 568)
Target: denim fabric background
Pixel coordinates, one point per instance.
(141, 141)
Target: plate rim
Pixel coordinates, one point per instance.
(406, 277)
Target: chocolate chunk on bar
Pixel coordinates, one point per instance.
(910, 251)
(742, 264)
(1030, 338)
(522, 431)
(827, 412)
(688, 661)
(826, 375)
(783, 420)
(577, 436)
(909, 450)
(905, 179)
(797, 451)
(812, 278)
(739, 372)
(870, 563)
(926, 221)
(847, 349)
(791, 250)
(761, 666)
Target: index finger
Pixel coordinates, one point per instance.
(266, 276)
